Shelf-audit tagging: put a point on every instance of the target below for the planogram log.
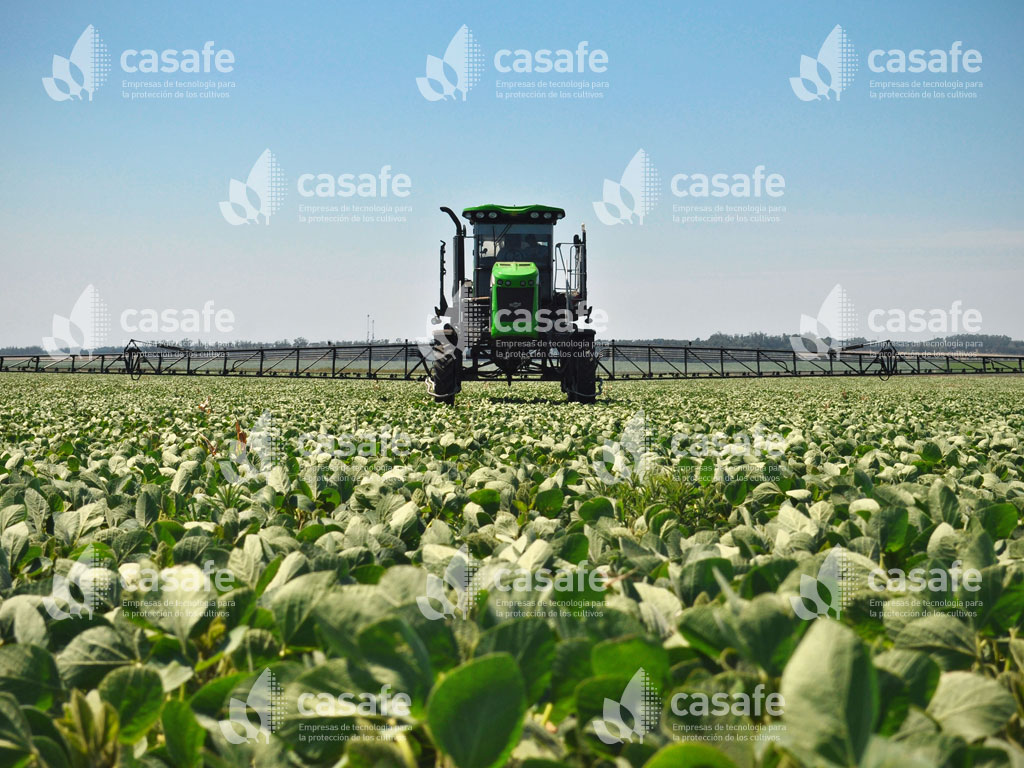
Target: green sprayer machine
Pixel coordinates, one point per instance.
(521, 312)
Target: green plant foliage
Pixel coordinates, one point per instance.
(201, 571)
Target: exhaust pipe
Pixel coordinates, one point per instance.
(460, 250)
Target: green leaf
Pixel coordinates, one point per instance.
(736, 492)
(946, 639)
(688, 755)
(29, 673)
(999, 520)
(183, 735)
(476, 712)
(186, 477)
(488, 498)
(622, 656)
(294, 603)
(831, 696)
(531, 643)
(147, 508)
(698, 576)
(91, 655)
(970, 705)
(137, 695)
(905, 678)
(931, 453)
(549, 502)
(889, 526)
(179, 600)
(370, 753)
(15, 735)
(599, 506)
(943, 504)
(706, 474)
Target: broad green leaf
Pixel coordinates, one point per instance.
(87, 659)
(137, 695)
(531, 643)
(29, 673)
(970, 705)
(831, 696)
(689, 755)
(598, 506)
(294, 603)
(549, 502)
(475, 713)
(946, 639)
(183, 735)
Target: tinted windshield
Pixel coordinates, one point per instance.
(512, 242)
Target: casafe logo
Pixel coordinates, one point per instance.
(828, 74)
(257, 198)
(461, 66)
(254, 453)
(830, 592)
(86, 69)
(629, 459)
(90, 583)
(456, 72)
(835, 323)
(88, 66)
(86, 328)
(460, 575)
(634, 715)
(634, 195)
(264, 699)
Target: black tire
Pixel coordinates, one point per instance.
(569, 380)
(586, 380)
(444, 377)
(579, 380)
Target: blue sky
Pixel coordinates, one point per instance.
(907, 204)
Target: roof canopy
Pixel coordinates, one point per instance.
(537, 214)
